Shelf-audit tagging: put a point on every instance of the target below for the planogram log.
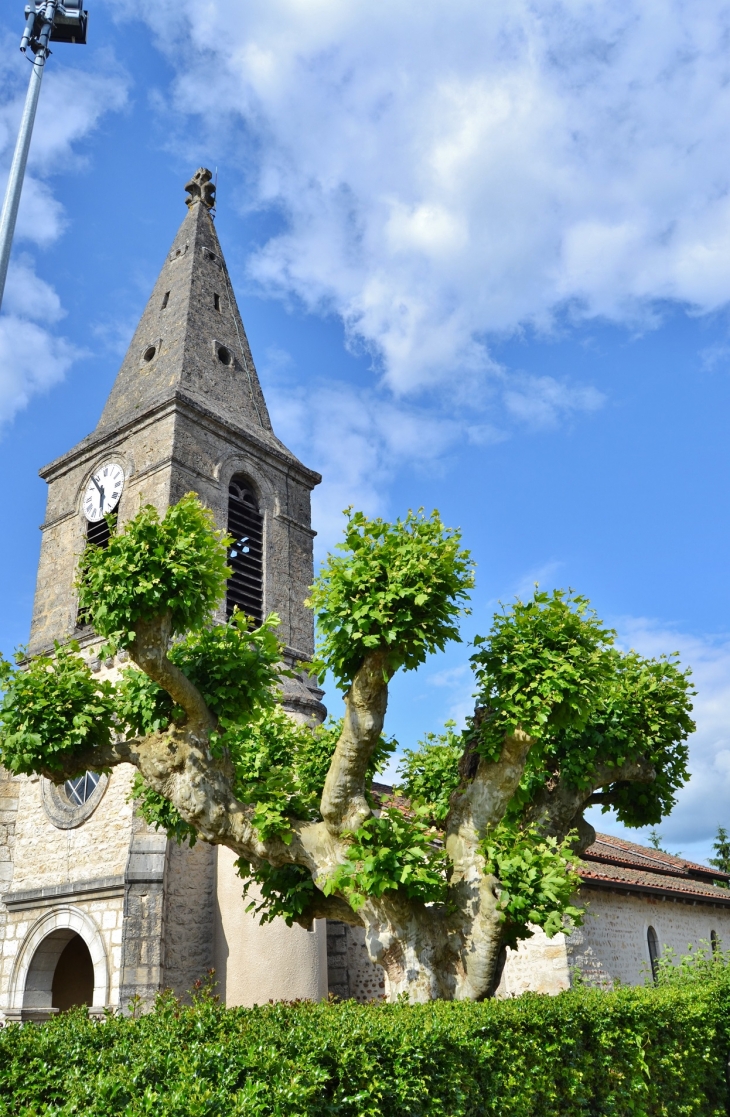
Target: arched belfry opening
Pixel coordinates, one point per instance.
(246, 554)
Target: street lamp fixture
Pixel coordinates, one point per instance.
(55, 21)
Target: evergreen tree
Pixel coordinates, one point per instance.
(721, 846)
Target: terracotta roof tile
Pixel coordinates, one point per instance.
(614, 862)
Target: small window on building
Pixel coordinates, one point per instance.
(714, 942)
(80, 790)
(166, 299)
(653, 944)
(217, 302)
(246, 556)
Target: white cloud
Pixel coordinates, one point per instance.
(32, 359)
(356, 438)
(32, 356)
(541, 401)
(447, 172)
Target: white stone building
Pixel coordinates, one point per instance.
(96, 908)
(639, 902)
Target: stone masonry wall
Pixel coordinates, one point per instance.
(144, 456)
(8, 821)
(351, 974)
(539, 965)
(104, 912)
(189, 915)
(8, 816)
(46, 856)
(612, 944)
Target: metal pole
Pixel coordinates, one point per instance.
(17, 170)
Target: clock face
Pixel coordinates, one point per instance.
(104, 490)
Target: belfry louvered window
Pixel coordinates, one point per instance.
(97, 533)
(246, 556)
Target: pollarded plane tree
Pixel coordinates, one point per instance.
(479, 846)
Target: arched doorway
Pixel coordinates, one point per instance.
(61, 974)
(61, 962)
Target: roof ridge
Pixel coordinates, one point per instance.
(666, 860)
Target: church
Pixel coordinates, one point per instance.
(99, 909)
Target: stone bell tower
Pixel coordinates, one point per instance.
(95, 905)
(186, 413)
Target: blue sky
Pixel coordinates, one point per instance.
(483, 258)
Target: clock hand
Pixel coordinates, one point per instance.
(101, 493)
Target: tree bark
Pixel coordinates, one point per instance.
(344, 806)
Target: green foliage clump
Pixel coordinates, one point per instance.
(649, 1052)
(396, 587)
(550, 667)
(176, 565)
(537, 879)
(236, 667)
(705, 963)
(544, 666)
(388, 852)
(285, 892)
(143, 707)
(52, 708)
(644, 712)
(429, 774)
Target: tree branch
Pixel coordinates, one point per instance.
(329, 907)
(557, 811)
(149, 652)
(344, 806)
(175, 764)
(481, 800)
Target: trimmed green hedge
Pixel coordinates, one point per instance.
(585, 1053)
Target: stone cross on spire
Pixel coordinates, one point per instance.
(201, 189)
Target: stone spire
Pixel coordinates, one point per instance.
(190, 340)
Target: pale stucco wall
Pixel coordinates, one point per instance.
(538, 965)
(257, 964)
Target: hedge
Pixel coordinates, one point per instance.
(585, 1053)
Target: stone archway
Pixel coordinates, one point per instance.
(53, 939)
